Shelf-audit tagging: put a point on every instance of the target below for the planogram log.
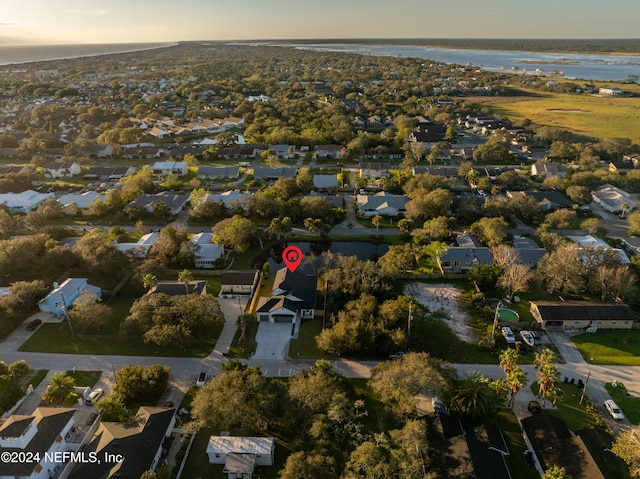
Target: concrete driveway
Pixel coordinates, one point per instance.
(273, 340)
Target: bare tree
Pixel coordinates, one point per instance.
(515, 278)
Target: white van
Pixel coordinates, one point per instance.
(94, 396)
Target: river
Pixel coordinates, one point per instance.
(573, 65)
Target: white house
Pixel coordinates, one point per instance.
(140, 248)
(238, 282)
(205, 251)
(382, 203)
(166, 168)
(610, 91)
(73, 203)
(613, 199)
(240, 455)
(61, 170)
(25, 201)
(63, 296)
(38, 436)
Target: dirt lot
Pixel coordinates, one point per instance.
(445, 298)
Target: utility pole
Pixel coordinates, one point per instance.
(66, 314)
(584, 389)
(409, 328)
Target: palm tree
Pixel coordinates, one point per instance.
(60, 386)
(475, 397)
(516, 380)
(624, 206)
(376, 221)
(508, 360)
(555, 472)
(149, 280)
(185, 276)
(548, 372)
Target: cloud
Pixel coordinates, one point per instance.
(75, 11)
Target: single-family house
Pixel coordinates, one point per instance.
(381, 203)
(273, 173)
(442, 171)
(100, 151)
(63, 296)
(330, 151)
(166, 168)
(458, 258)
(528, 251)
(589, 242)
(139, 444)
(375, 170)
(613, 199)
(428, 133)
(547, 200)
(553, 444)
(218, 172)
(283, 152)
(232, 199)
(140, 248)
(65, 169)
(108, 173)
(610, 91)
(23, 202)
(74, 203)
(325, 182)
(204, 250)
(15, 169)
(293, 298)
(582, 315)
(175, 203)
(239, 282)
(548, 170)
(39, 437)
(177, 288)
(240, 455)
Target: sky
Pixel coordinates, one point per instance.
(134, 21)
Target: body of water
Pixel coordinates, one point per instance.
(312, 251)
(13, 54)
(573, 65)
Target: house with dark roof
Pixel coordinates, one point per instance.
(273, 173)
(176, 203)
(457, 259)
(138, 444)
(375, 170)
(477, 452)
(238, 282)
(547, 170)
(582, 315)
(177, 288)
(108, 172)
(528, 251)
(553, 444)
(325, 182)
(292, 299)
(218, 172)
(442, 171)
(428, 133)
(550, 200)
(44, 432)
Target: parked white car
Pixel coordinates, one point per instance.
(508, 335)
(613, 409)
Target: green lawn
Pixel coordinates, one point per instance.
(9, 322)
(305, 346)
(247, 347)
(85, 378)
(56, 338)
(577, 416)
(618, 347)
(630, 405)
(37, 378)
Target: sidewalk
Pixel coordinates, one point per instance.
(231, 309)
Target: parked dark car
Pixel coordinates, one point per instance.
(534, 407)
(32, 325)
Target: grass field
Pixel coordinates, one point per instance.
(620, 348)
(597, 117)
(85, 378)
(630, 405)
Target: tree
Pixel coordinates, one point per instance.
(239, 399)
(556, 472)
(24, 296)
(515, 278)
(185, 277)
(562, 270)
(561, 218)
(376, 221)
(592, 225)
(509, 360)
(59, 388)
(172, 321)
(435, 229)
(398, 259)
(113, 409)
(88, 313)
(579, 194)
(308, 464)
(149, 281)
(19, 370)
(634, 220)
(399, 382)
(491, 230)
(627, 447)
(371, 461)
(99, 253)
(515, 381)
(139, 385)
(424, 206)
(475, 397)
(237, 233)
(547, 374)
(495, 150)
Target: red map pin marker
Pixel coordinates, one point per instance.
(292, 257)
